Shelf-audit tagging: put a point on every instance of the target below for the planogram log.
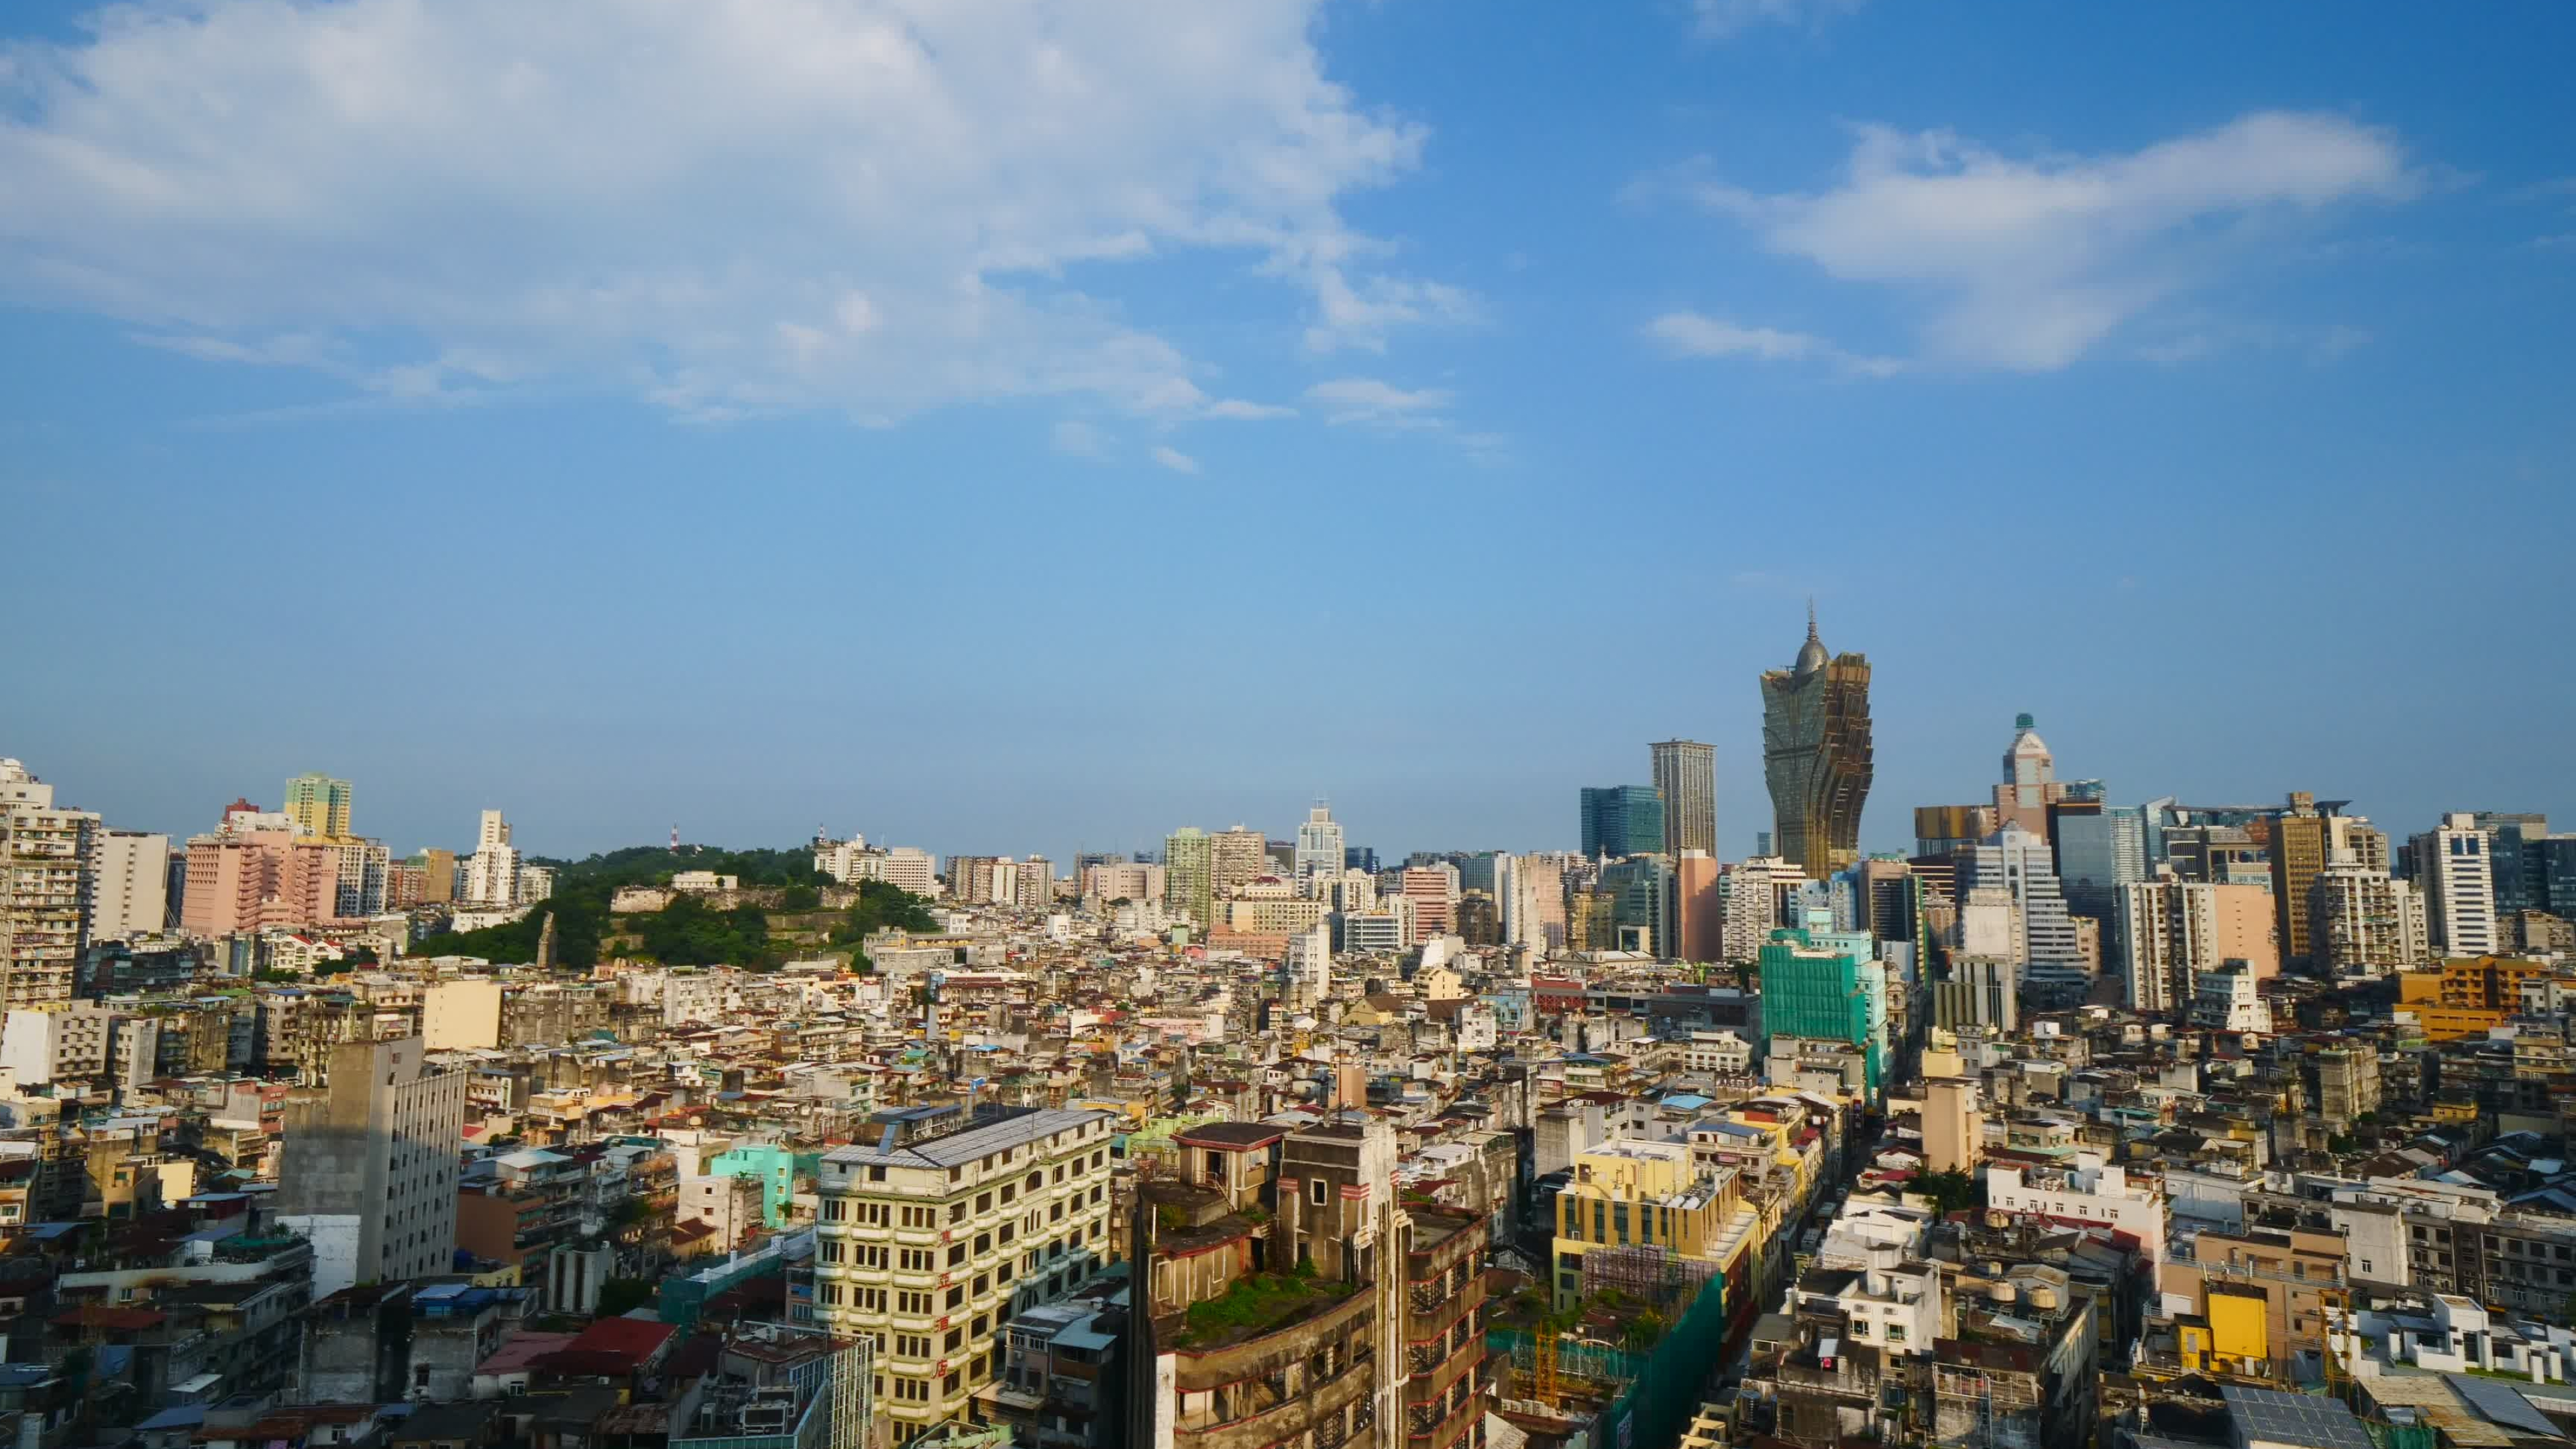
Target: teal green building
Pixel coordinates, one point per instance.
(1825, 991)
(776, 1167)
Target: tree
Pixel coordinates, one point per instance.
(617, 1296)
(1950, 1191)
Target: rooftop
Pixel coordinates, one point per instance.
(971, 1143)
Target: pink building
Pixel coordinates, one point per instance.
(1699, 928)
(1435, 901)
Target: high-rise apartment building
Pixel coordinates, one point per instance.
(1686, 778)
(1824, 993)
(2175, 931)
(1236, 858)
(1189, 875)
(1319, 849)
(369, 1166)
(972, 878)
(1755, 897)
(1697, 911)
(2454, 870)
(1622, 820)
(319, 805)
(1123, 880)
(930, 1246)
(1434, 893)
(45, 857)
(129, 884)
(1035, 887)
(491, 873)
(437, 876)
(1816, 755)
(2360, 922)
(1534, 909)
(2019, 862)
(2306, 837)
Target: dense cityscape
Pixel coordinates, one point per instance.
(2160, 1125)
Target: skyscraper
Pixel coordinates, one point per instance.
(1816, 754)
(1622, 820)
(2030, 783)
(2452, 868)
(2017, 862)
(1686, 776)
(1319, 848)
(319, 805)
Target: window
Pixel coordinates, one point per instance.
(1319, 1189)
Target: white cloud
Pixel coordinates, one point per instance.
(1368, 400)
(2032, 263)
(1689, 334)
(1375, 403)
(1176, 460)
(1077, 439)
(1237, 410)
(727, 206)
(1719, 19)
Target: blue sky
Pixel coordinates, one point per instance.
(1006, 426)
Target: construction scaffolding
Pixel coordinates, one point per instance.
(1643, 1399)
(1651, 1277)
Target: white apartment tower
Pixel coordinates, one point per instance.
(2455, 870)
(490, 876)
(1318, 855)
(129, 884)
(46, 854)
(2360, 922)
(2020, 862)
(369, 1167)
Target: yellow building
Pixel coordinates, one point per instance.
(1633, 1194)
(2463, 997)
(2232, 1337)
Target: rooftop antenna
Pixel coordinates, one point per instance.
(1811, 616)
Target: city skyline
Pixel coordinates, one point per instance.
(1067, 724)
(746, 602)
(1886, 830)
